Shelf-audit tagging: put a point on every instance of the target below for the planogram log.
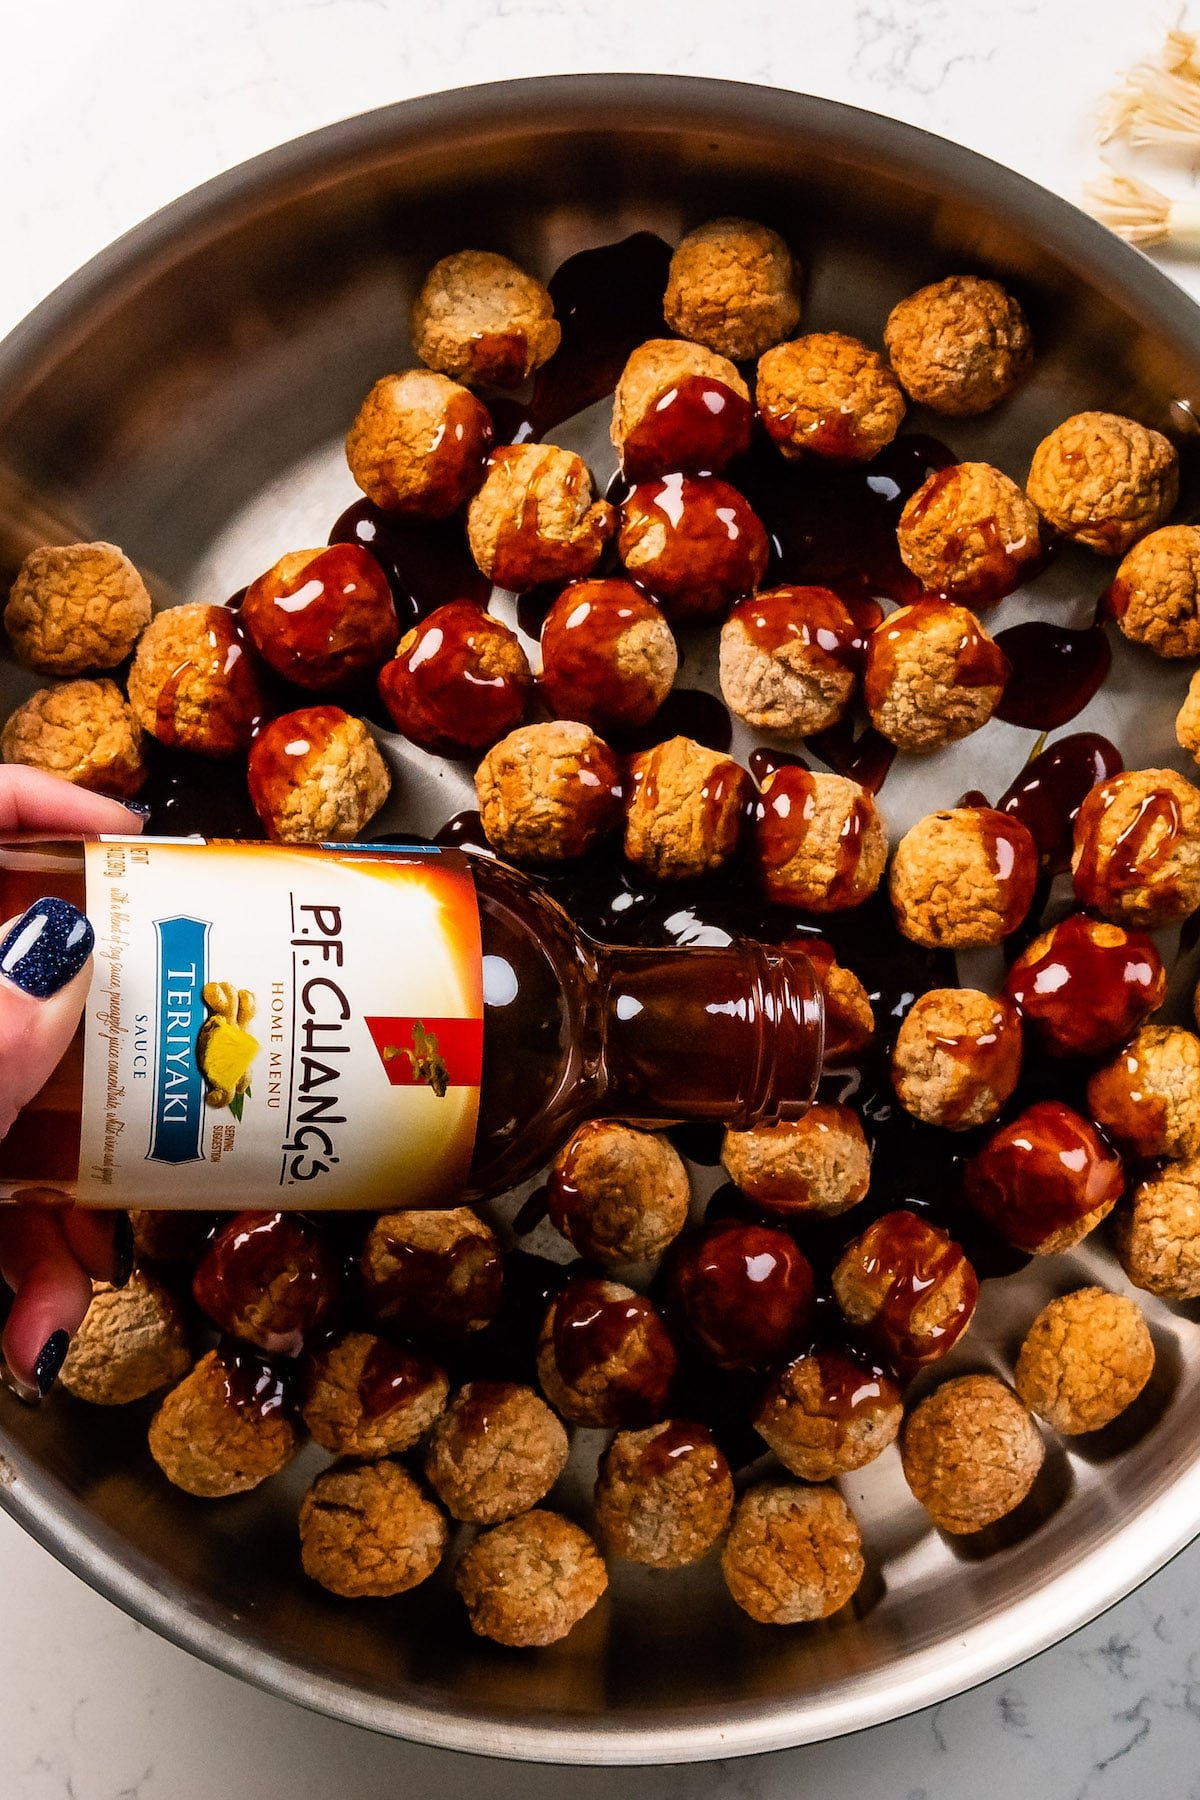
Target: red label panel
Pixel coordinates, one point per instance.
(427, 1052)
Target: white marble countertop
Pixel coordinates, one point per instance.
(109, 111)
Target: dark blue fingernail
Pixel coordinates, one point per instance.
(47, 946)
(51, 1357)
(122, 1250)
(140, 807)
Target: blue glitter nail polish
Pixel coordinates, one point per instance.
(46, 947)
(139, 807)
(51, 1357)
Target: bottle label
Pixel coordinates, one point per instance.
(277, 1027)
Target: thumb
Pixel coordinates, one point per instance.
(44, 975)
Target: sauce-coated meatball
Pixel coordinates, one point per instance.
(366, 1397)
(957, 1057)
(828, 395)
(677, 407)
(419, 444)
(1083, 986)
(908, 1286)
(933, 675)
(664, 1495)
(604, 1357)
(1148, 1096)
(321, 618)
(608, 655)
(819, 1163)
(316, 776)
(536, 518)
(827, 1413)
(481, 319)
(225, 1428)
(617, 1194)
(458, 681)
(820, 842)
(1137, 848)
(694, 543)
(1044, 1180)
(684, 809)
(790, 660)
(970, 534)
(193, 683)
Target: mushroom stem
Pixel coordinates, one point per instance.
(1140, 213)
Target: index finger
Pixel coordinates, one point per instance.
(32, 800)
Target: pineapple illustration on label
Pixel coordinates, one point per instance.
(225, 1050)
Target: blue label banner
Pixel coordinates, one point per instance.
(178, 1119)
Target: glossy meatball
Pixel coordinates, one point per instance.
(970, 534)
(694, 543)
(1085, 985)
(608, 655)
(193, 683)
(1148, 1096)
(933, 675)
(828, 395)
(1104, 481)
(618, 1195)
(790, 660)
(366, 1397)
(433, 1274)
(84, 731)
(820, 842)
(1086, 1357)
(908, 1286)
(957, 1057)
(316, 776)
(133, 1339)
(971, 1452)
(496, 1451)
(536, 518)
(826, 1414)
(367, 1530)
(742, 1292)
(322, 618)
(1157, 1237)
(268, 1279)
(548, 793)
(678, 407)
(75, 607)
(1187, 723)
(604, 1357)
(1044, 1180)
(793, 1553)
(1155, 594)
(482, 320)
(419, 445)
(849, 1018)
(963, 877)
(224, 1429)
(458, 681)
(1137, 848)
(684, 810)
(959, 346)
(732, 286)
(530, 1580)
(664, 1495)
(819, 1163)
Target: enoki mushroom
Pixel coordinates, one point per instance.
(1158, 103)
(1140, 213)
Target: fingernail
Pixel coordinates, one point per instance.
(122, 1250)
(51, 1357)
(46, 947)
(140, 807)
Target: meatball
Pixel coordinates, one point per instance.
(908, 1286)
(743, 1293)
(970, 1452)
(419, 445)
(694, 543)
(678, 407)
(321, 618)
(224, 1429)
(1157, 1238)
(664, 1495)
(193, 684)
(608, 656)
(366, 1397)
(1104, 481)
(1086, 1357)
(789, 660)
(548, 793)
(316, 776)
(820, 842)
(604, 1357)
(826, 1414)
(618, 1195)
(1187, 724)
(793, 1553)
(970, 534)
(1155, 594)
(495, 1452)
(434, 1274)
(819, 1163)
(959, 346)
(75, 607)
(1148, 1096)
(268, 1279)
(957, 1057)
(1083, 986)
(933, 675)
(732, 287)
(1137, 848)
(84, 731)
(529, 1581)
(367, 1530)
(683, 815)
(963, 878)
(482, 320)
(849, 1019)
(1044, 1180)
(828, 395)
(458, 681)
(132, 1340)
(535, 519)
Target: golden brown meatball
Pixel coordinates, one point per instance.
(224, 1429)
(133, 1339)
(316, 775)
(481, 319)
(957, 1057)
(849, 1019)
(959, 346)
(933, 675)
(664, 1495)
(907, 1285)
(1086, 1357)
(789, 660)
(418, 445)
(820, 842)
(683, 816)
(732, 286)
(530, 1580)
(75, 607)
(970, 1452)
(1103, 480)
(1155, 594)
(548, 792)
(970, 534)
(1187, 724)
(366, 1397)
(963, 877)
(536, 518)
(1148, 1096)
(826, 1414)
(604, 1357)
(678, 407)
(193, 683)
(1137, 848)
(828, 395)
(816, 1164)
(1157, 1237)
(432, 1273)
(84, 731)
(793, 1553)
(617, 1194)
(367, 1530)
(495, 1452)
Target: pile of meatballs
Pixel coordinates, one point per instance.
(358, 1333)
